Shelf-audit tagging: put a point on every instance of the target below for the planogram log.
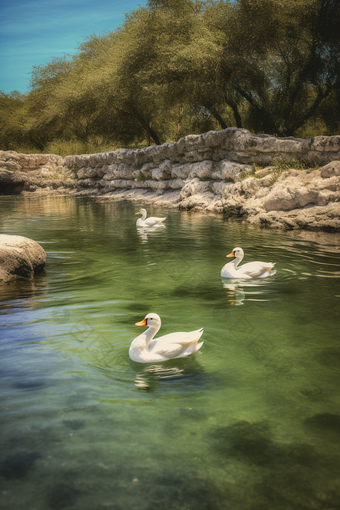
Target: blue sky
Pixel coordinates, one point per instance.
(32, 32)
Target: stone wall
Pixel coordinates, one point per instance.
(214, 159)
(33, 172)
(199, 172)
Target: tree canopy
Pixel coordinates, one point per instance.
(183, 66)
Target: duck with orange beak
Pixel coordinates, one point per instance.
(148, 222)
(249, 270)
(146, 349)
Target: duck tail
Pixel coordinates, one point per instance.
(198, 346)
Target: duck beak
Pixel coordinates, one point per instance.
(232, 254)
(137, 213)
(141, 323)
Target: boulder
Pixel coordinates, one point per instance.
(20, 257)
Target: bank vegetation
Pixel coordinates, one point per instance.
(178, 67)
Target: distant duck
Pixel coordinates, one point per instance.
(249, 270)
(145, 349)
(147, 222)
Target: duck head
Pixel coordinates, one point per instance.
(142, 212)
(152, 320)
(237, 252)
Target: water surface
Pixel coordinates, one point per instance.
(252, 421)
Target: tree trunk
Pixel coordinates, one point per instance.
(269, 124)
(237, 115)
(218, 118)
(150, 132)
(179, 123)
(37, 144)
(320, 97)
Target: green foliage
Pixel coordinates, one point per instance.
(141, 177)
(251, 174)
(179, 67)
(281, 165)
(92, 145)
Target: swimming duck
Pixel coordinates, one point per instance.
(174, 345)
(147, 222)
(249, 270)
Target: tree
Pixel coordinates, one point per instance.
(13, 114)
(276, 53)
(183, 66)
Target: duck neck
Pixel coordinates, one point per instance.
(143, 215)
(236, 262)
(149, 334)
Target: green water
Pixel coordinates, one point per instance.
(250, 422)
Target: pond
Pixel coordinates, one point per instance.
(250, 422)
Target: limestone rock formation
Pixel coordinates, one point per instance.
(31, 172)
(297, 199)
(20, 257)
(213, 172)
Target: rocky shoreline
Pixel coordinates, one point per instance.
(230, 172)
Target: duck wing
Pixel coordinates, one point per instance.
(258, 269)
(152, 220)
(176, 345)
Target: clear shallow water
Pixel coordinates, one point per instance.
(252, 421)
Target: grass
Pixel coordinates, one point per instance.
(254, 168)
(281, 165)
(141, 177)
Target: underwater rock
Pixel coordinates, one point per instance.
(74, 424)
(325, 422)
(28, 384)
(18, 465)
(63, 495)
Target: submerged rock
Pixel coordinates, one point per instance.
(20, 257)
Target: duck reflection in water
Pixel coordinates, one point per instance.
(235, 295)
(144, 232)
(239, 291)
(152, 376)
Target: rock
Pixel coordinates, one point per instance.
(87, 173)
(201, 172)
(159, 174)
(229, 171)
(264, 171)
(194, 187)
(180, 171)
(12, 183)
(20, 257)
(331, 169)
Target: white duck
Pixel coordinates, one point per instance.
(249, 270)
(147, 222)
(175, 345)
